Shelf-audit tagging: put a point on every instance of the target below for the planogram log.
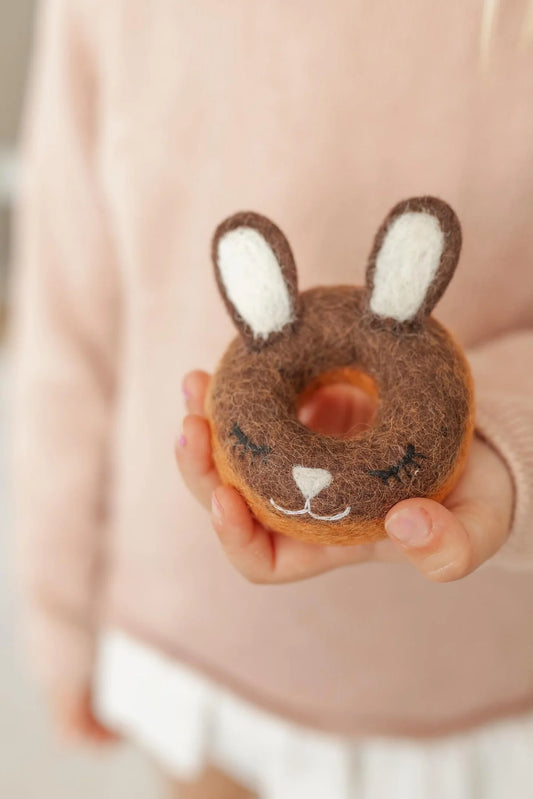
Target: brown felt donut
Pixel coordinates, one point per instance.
(380, 337)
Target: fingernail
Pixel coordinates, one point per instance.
(182, 440)
(216, 508)
(186, 392)
(410, 526)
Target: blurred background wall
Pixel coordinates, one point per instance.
(15, 37)
(33, 764)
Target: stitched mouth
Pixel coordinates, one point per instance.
(306, 511)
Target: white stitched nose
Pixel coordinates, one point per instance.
(311, 481)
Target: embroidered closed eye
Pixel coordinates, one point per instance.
(242, 441)
(404, 465)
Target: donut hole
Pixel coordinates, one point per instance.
(340, 403)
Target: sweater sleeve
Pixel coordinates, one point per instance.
(65, 321)
(503, 377)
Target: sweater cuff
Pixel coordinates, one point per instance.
(508, 427)
(61, 651)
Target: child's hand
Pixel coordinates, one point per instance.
(444, 542)
(75, 720)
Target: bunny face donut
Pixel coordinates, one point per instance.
(379, 337)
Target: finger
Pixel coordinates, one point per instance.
(446, 544)
(77, 723)
(98, 733)
(263, 556)
(90, 732)
(194, 458)
(195, 385)
(247, 544)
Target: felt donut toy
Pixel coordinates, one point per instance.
(380, 338)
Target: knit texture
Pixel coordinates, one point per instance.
(504, 418)
(149, 123)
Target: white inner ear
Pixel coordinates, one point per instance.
(406, 265)
(253, 281)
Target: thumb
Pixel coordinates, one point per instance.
(442, 544)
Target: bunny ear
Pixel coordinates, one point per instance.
(256, 276)
(413, 259)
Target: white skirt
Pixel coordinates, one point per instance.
(186, 722)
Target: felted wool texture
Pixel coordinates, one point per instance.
(406, 265)
(417, 247)
(243, 234)
(253, 281)
(311, 481)
(424, 400)
(419, 438)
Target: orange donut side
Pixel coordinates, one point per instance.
(450, 483)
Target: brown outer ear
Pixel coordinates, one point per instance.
(283, 253)
(450, 226)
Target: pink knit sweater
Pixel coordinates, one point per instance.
(148, 123)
